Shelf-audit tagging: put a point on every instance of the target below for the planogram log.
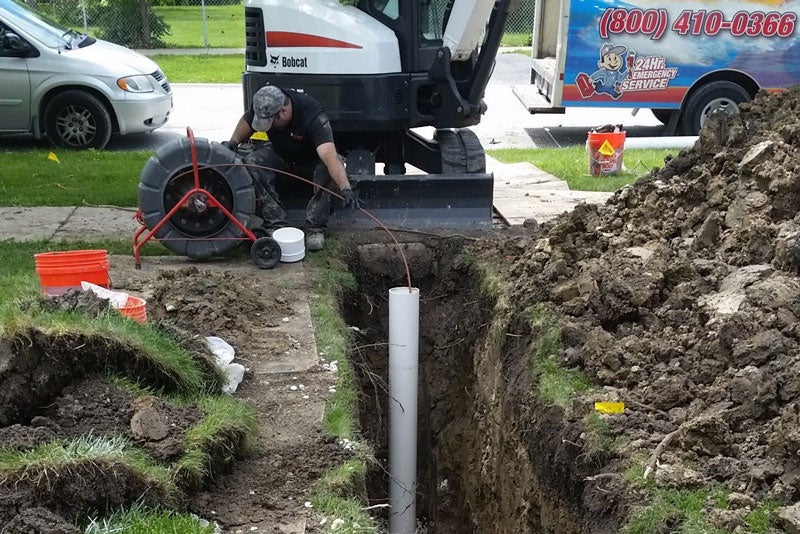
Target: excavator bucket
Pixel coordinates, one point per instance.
(406, 201)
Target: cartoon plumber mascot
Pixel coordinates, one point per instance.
(613, 69)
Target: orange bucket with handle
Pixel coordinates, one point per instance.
(61, 271)
(605, 152)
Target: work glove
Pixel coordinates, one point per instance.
(230, 145)
(350, 201)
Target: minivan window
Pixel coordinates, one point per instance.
(43, 30)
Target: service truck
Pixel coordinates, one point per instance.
(682, 60)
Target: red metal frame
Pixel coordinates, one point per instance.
(183, 204)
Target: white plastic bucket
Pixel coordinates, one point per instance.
(292, 243)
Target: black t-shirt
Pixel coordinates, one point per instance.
(308, 129)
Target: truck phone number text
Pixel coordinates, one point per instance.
(654, 22)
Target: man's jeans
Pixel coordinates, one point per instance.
(318, 208)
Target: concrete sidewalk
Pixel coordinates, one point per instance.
(67, 223)
(521, 191)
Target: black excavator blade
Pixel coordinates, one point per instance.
(408, 201)
(454, 192)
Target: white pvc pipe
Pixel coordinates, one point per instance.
(684, 141)
(403, 378)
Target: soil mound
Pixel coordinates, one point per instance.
(680, 297)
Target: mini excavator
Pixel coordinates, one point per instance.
(382, 70)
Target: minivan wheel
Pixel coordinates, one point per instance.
(76, 119)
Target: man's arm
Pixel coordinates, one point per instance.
(328, 155)
(242, 132)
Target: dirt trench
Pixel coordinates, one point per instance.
(490, 458)
(679, 298)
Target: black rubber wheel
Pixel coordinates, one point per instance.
(664, 115)
(196, 230)
(259, 232)
(461, 151)
(266, 252)
(719, 95)
(77, 119)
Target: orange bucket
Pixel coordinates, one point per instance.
(71, 257)
(135, 308)
(605, 152)
(61, 271)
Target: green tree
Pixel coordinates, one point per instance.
(130, 23)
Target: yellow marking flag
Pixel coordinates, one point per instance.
(52, 157)
(609, 407)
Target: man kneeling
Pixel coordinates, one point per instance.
(301, 142)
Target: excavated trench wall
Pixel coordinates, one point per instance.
(490, 458)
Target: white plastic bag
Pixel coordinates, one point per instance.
(234, 373)
(223, 356)
(221, 350)
(118, 299)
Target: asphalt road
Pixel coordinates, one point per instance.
(211, 110)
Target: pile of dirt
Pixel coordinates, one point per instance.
(680, 297)
(214, 302)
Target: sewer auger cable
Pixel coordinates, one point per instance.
(310, 182)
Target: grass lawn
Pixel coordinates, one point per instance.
(207, 68)
(224, 24)
(89, 178)
(572, 165)
(516, 39)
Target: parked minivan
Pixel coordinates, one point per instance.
(71, 88)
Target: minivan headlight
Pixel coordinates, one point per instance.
(136, 84)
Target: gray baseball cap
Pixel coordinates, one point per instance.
(266, 103)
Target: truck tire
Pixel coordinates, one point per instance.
(461, 151)
(719, 95)
(77, 119)
(196, 230)
(663, 115)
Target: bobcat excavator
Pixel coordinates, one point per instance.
(380, 69)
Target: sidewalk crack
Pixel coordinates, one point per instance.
(63, 223)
